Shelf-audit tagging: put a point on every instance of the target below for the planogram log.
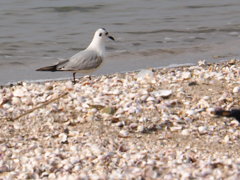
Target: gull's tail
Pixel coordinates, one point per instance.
(56, 67)
(48, 68)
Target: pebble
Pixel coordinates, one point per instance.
(123, 133)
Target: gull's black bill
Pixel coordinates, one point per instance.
(112, 38)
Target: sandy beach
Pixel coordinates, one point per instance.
(150, 124)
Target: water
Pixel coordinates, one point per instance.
(149, 33)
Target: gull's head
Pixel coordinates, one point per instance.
(102, 34)
(98, 42)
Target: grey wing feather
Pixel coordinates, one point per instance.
(84, 60)
(60, 64)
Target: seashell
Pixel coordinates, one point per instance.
(96, 106)
(143, 97)
(211, 110)
(69, 85)
(44, 175)
(95, 149)
(109, 110)
(17, 126)
(186, 132)
(190, 112)
(7, 106)
(189, 120)
(143, 119)
(63, 137)
(123, 133)
(74, 159)
(186, 75)
(234, 123)
(203, 103)
(150, 98)
(27, 100)
(223, 97)
(162, 93)
(67, 167)
(133, 125)
(132, 110)
(120, 124)
(4, 168)
(16, 100)
(236, 89)
(226, 139)
(115, 120)
(78, 168)
(52, 176)
(145, 74)
(18, 93)
(202, 62)
(206, 97)
(116, 92)
(176, 128)
(203, 129)
(143, 91)
(115, 174)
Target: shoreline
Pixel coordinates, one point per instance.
(79, 75)
(152, 123)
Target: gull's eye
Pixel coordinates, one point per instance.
(100, 34)
(106, 33)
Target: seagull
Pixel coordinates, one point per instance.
(85, 61)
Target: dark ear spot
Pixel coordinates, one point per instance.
(100, 34)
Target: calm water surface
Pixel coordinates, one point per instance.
(149, 33)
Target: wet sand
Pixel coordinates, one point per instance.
(156, 123)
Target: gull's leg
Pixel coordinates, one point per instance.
(74, 81)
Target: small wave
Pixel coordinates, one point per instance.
(229, 28)
(208, 6)
(71, 8)
(14, 63)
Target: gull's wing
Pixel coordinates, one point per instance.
(84, 60)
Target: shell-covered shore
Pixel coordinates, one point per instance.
(156, 123)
